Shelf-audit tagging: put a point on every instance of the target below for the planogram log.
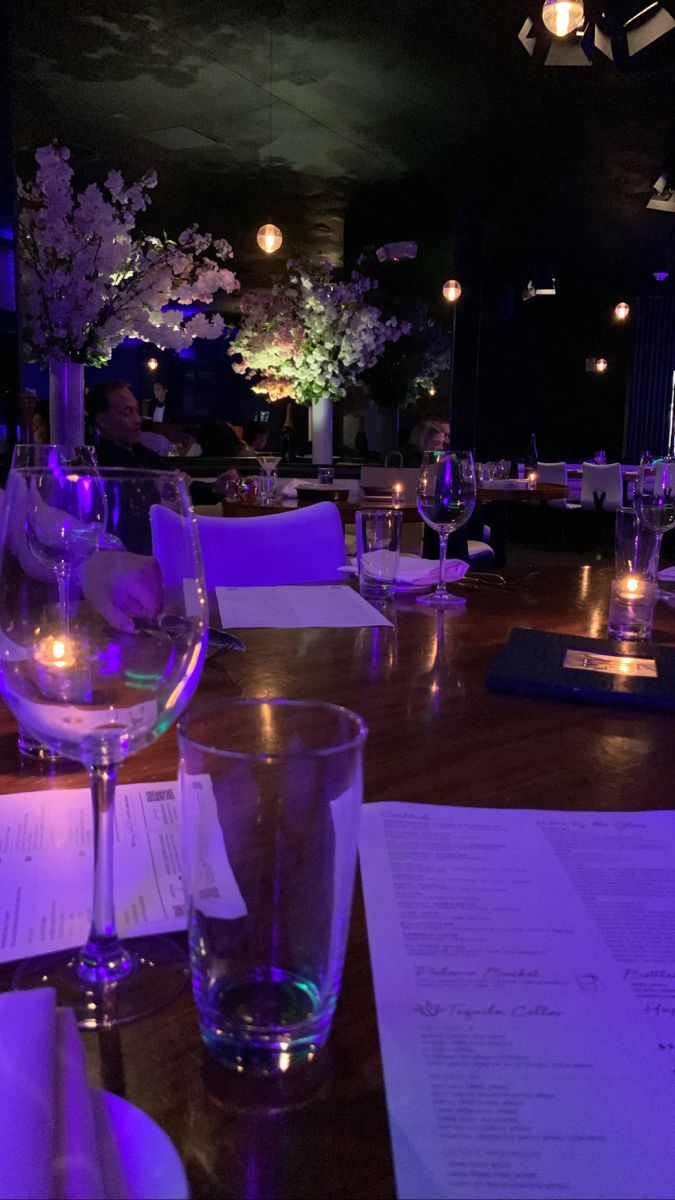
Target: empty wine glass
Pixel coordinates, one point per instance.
(103, 687)
(446, 497)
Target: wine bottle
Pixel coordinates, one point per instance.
(287, 445)
(532, 456)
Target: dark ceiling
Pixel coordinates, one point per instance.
(407, 120)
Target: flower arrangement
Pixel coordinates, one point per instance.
(310, 338)
(88, 280)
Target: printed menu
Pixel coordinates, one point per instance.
(525, 989)
(46, 866)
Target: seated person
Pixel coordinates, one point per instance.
(114, 410)
(426, 436)
(219, 440)
(255, 437)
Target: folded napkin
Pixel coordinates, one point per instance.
(58, 1138)
(413, 571)
(667, 574)
(420, 572)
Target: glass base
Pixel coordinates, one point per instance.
(30, 747)
(159, 973)
(442, 599)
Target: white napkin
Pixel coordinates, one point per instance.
(47, 1141)
(418, 572)
(667, 574)
(413, 571)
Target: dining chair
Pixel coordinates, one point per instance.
(601, 486)
(555, 472)
(305, 545)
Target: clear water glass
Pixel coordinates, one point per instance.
(101, 679)
(446, 498)
(271, 795)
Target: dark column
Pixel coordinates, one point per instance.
(651, 394)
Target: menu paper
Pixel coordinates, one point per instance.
(525, 989)
(326, 606)
(46, 866)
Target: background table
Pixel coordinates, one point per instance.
(436, 735)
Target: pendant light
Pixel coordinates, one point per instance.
(269, 237)
(562, 17)
(621, 311)
(452, 290)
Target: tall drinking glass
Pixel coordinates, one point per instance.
(271, 793)
(446, 498)
(656, 507)
(102, 683)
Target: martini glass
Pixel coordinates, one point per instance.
(104, 686)
(268, 465)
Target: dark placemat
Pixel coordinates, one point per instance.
(532, 662)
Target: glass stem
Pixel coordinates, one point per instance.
(103, 959)
(63, 584)
(443, 539)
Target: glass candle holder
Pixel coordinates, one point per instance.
(631, 608)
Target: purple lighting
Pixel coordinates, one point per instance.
(659, 276)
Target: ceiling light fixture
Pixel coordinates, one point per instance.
(562, 17)
(269, 237)
(601, 365)
(152, 364)
(566, 36)
(621, 311)
(660, 276)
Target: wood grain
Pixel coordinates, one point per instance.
(436, 735)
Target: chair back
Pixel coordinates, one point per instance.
(386, 477)
(304, 545)
(553, 472)
(601, 486)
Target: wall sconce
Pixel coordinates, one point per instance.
(601, 365)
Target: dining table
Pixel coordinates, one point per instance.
(436, 736)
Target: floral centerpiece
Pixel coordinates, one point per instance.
(88, 280)
(308, 339)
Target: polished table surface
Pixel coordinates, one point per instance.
(436, 735)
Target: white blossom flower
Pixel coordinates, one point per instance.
(88, 280)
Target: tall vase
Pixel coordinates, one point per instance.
(322, 432)
(66, 402)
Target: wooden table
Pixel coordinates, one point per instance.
(435, 735)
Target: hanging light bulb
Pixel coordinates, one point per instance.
(452, 290)
(621, 311)
(152, 364)
(562, 16)
(269, 238)
(601, 365)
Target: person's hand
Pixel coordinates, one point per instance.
(220, 485)
(121, 586)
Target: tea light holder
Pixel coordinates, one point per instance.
(532, 478)
(398, 494)
(631, 608)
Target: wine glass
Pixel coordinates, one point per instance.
(446, 497)
(108, 685)
(656, 508)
